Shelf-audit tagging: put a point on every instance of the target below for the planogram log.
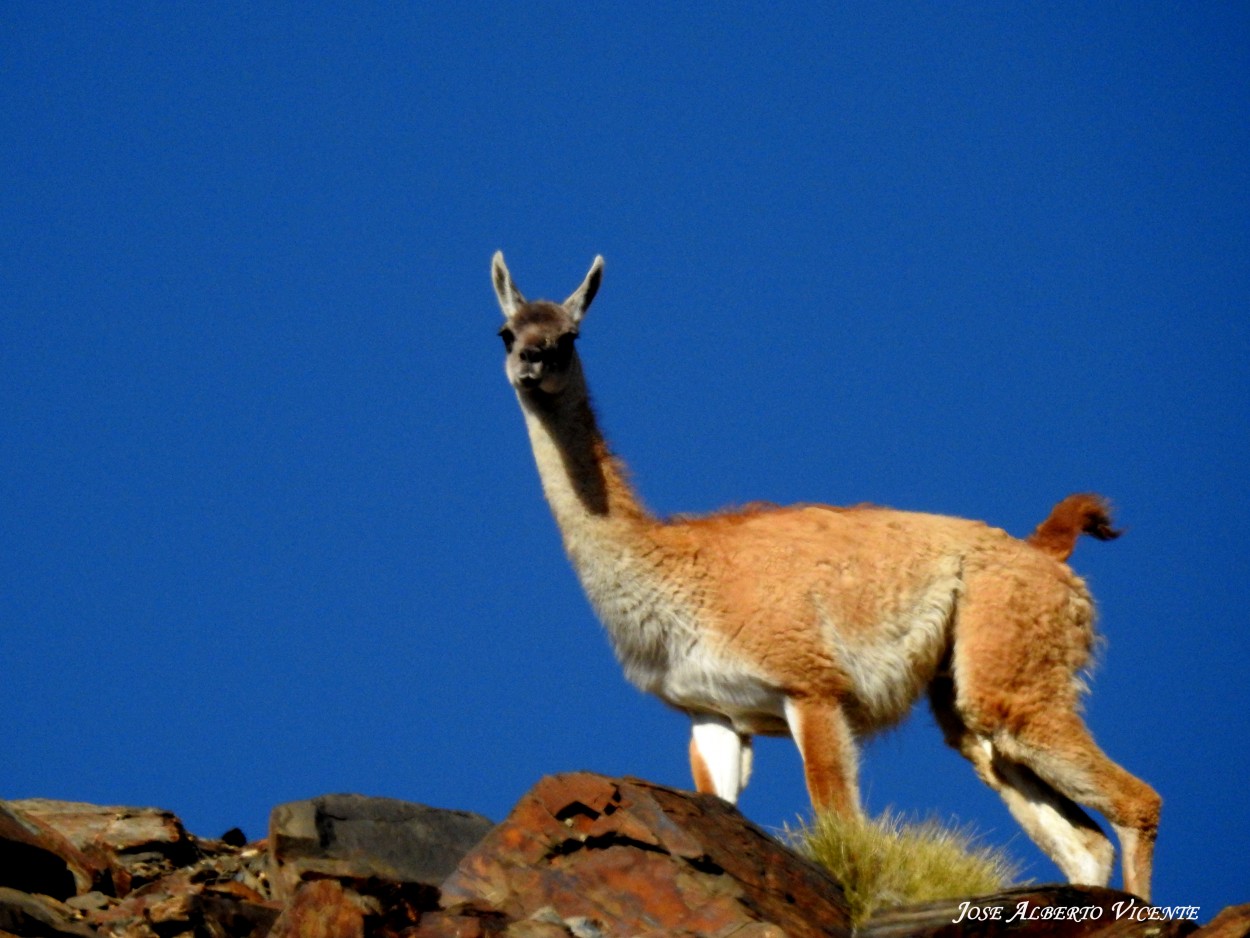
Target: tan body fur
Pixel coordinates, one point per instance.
(826, 624)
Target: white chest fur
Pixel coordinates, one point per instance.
(653, 624)
(662, 647)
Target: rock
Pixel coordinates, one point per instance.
(332, 908)
(137, 845)
(177, 905)
(35, 858)
(31, 915)
(464, 921)
(580, 856)
(1233, 922)
(360, 838)
(223, 894)
(477, 922)
(598, 855)
(89, 902)
(321, 909)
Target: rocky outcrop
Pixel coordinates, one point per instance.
(580, 855)
(113, 849)
(628, 857)
(134, 871)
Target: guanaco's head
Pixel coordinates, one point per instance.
(539, 336)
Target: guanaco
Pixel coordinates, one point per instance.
(826, 624)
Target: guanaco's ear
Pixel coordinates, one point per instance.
(579, 301)
(510, 298)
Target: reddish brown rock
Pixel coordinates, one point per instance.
(119, 829)
(464, 922)
(1233, 922)
(25, 914)
(177, 906)
(136, 845)
(36, 858)
(598, 855)
(222, 894)
(322, 909)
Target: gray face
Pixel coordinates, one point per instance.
(539, 341)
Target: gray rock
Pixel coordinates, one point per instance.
(360, 837)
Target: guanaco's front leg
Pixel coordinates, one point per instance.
(720, 757)
(830, 765)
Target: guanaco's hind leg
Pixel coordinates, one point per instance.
(1059, 749)
(1030, 745)
(720, 757)
(1018, 644)
(1055, 823)
(826, 744)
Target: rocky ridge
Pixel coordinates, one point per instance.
(579, 855)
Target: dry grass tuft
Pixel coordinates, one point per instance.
(889, 861)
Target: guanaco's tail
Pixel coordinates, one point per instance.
(1072, 517)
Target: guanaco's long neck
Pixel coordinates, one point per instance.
(584, 483)
(608, 534)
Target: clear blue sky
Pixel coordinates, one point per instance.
(269, 523)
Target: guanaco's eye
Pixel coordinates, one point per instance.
(508, 338)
